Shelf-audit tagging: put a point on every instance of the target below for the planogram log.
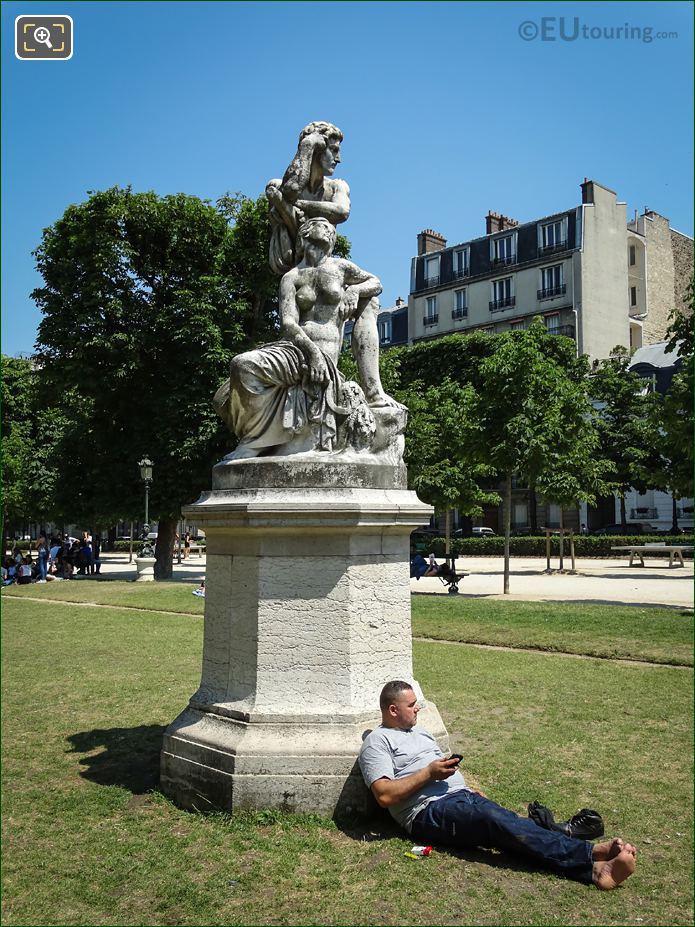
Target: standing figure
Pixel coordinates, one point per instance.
(306, 192)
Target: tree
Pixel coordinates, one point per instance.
(436, 451)
(671, 420)
(625, 414)
(532, 417)
(145, 300)
(28, 440)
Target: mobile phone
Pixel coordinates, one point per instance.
(456, 756)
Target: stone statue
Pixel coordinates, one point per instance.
(306, 192)
(288, 397)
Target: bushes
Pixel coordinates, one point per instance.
(535, 546)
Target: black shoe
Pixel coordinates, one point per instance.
(584, 825)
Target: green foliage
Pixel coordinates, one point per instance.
(29, 436)
(627, 437)
(584, 546)
(671, 418)
(436, 450)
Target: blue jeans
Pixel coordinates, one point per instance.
(42, 563)
(465, 819)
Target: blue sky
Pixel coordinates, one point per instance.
(447, 112)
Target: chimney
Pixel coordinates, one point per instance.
(587, 191)
(495, 222)
(429, 241)
(399, 302)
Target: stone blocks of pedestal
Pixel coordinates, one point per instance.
(307, 615)
(145, 568)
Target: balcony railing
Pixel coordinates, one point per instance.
(459, 313)
(567, 330)
(430, 319)
(551, 249)
(431, 281)
(504, 259)
(643, 513)
(550, 291)
(504, 303)
(459, 274)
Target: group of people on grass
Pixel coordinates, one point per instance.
(56, 558)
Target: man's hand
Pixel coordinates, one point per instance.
(442, 769)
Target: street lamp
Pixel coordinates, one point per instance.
(146, 474)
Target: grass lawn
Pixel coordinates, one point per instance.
(659, 635)
(88, 839)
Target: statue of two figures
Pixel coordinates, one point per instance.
(288, 397)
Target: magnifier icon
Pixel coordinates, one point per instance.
(43, 36)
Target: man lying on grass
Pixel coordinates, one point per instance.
(427, 795)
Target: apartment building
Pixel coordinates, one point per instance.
(392, 324)
(585, 270)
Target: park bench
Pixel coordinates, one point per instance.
(674, 551)
(449, 577)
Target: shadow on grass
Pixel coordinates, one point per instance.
(127, 756)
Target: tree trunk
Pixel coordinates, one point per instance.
(674, 514)
(562, 541)
(447, 533)
(164, 551)
(532, 509)
(623, 513)
(130, 553)
(507, 527)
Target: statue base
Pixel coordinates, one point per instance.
(307, 615)
(145, 568)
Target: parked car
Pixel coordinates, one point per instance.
(482, 532)
(637, 527)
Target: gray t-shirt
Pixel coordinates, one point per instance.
(391, 753)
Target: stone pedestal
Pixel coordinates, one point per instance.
(307, 615)
(145, 568)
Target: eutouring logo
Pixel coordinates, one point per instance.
(571, 29)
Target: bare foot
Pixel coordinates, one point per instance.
(605, 851)
(608, 875)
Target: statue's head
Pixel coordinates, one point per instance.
(328, 151)
(318, 231)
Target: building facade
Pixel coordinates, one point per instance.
(392, 324)
(587, 272)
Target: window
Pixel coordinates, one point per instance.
(461, 262)
(633, 255)
(552, 236)
(520, 517)
(503, 250)
(460, 305)
(633, 295)
(517, 325)
(554, 512)
(552, 282)
(431, 316)
(432, 271)
(552, 322)
(385, 329)
(502, 294)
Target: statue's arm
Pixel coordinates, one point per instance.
(361, 285)
(336, 209)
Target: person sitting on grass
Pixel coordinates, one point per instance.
(427, 795)
(25, 571)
